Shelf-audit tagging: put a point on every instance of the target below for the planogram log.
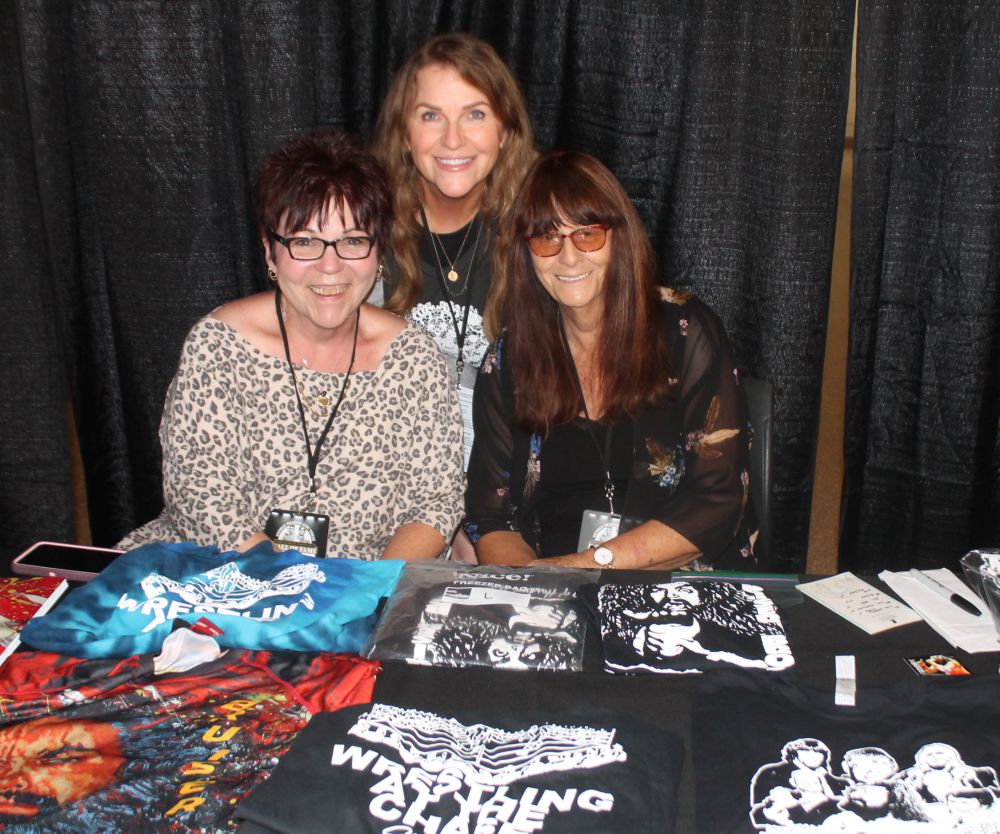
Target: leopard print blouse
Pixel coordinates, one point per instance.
(233, 448)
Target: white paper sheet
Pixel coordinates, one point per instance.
(858, 602)
(962, 630)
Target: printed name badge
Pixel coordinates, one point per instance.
(597, 527)
(304, 532)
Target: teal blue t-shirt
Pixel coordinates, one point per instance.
(258, 600)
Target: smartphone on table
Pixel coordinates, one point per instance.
(76, 562)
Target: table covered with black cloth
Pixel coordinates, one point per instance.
(816, 636)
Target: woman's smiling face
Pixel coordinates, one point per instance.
(321, 295)
(452, 134)
(575, 279)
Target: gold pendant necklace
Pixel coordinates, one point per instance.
(323, 399)
(452, 274)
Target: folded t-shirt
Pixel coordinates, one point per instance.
(453, 614)
(106, 745)
(773, 755)
(258, 600)
(385, 768)
(690, 627)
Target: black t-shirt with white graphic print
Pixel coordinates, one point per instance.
(475, 269)
(690, 627)
(452, 312)
(453, 614)
(773, 756)
(386, 768)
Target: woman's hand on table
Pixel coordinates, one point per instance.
(650, 546)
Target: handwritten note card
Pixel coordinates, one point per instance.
(858, 602)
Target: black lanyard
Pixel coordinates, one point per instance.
(460, 334)
(312, 456)
(605, 457)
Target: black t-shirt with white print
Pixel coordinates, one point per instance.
(453, 614)
(773, 756)
(452, 312)
(690, 627)
(384, 768)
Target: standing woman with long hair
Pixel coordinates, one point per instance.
(455, 139)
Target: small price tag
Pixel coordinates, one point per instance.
(846, 681)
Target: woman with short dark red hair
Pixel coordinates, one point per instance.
(610, 428)
(302, 414)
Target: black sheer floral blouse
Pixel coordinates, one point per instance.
(690, 454)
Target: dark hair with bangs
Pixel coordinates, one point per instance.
(633, 355)
(312, 172)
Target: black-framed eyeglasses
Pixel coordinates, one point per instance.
(349, 247)
(586, 239)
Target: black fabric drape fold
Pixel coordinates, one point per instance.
(141, 124)
(922, 448)
(35, 491)
(750, 211)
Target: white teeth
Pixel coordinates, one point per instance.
(326, 291)
(455, 161)
(569, 279)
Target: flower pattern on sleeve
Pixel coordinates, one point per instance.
(491, 361)
(704, 441)
(534, 474)
(666, 466)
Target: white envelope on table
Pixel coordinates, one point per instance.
(961, 629)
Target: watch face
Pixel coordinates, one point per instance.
(603, 556)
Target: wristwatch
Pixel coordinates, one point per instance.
(603, 557)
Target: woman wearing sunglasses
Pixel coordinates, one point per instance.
(301, 414)
(611, 431)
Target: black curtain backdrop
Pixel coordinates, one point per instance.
(134, 129)
(922, 468)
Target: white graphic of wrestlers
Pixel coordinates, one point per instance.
(939, 792)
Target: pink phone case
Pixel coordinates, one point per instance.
(35, 562)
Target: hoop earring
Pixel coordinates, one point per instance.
(272, 275)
